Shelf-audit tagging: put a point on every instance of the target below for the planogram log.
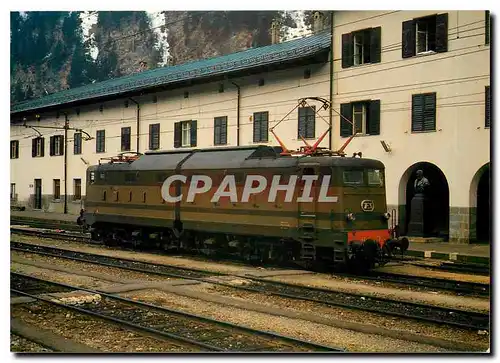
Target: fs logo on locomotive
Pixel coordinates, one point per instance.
(254, 184)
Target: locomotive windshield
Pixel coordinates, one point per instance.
(353, 177)
(375, 177)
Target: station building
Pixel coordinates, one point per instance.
(416, 85)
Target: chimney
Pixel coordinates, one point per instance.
(318, 22)
(275, 32)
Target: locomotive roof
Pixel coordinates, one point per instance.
(242, 157)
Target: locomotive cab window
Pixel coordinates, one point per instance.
(353, 177)
(375, 178)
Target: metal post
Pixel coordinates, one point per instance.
(66, 126)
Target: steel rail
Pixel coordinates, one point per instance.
(268, 336)
(298, 292)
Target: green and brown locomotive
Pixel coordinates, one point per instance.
(253, 202)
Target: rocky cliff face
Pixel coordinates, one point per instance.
(52, 51)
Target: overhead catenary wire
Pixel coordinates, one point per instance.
(232, 125)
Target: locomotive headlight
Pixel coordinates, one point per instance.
(387, 215)
(350, 217)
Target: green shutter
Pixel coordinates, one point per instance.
(177, 134)
(194, 133)
(33, 148)
(375, 45)
(52, 142)
(223, 131)
(216, 131)
(373, 125)
(302, 122)
(430, 112)
(487, 27)
(442, 33)
(264, 129)
(417, 113)
(43, 146)
(256, 127)
(347, 50)
(62, 144)
(409, 39)
(345, 126)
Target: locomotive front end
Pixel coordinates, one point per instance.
(365, 215)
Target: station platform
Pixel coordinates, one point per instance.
(465, 253)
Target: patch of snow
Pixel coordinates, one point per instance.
(89, 18)
(157, 20)
(300, 31)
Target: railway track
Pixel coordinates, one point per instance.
(459, 287)
(417, 311)
(169, 324)
(476, 269)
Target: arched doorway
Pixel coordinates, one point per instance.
(437, 211)
(481, 200)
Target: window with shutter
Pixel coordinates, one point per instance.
(154, 136)
(365, 117)
(260, 126)
(487, 113)
(423, 116)
(425, 35)
(14, 149)
(220, 130)
(56, 145)
(361, 47)
(307, 122)
(125, 138)
(38, 147)
(100, 141)
(77, 143)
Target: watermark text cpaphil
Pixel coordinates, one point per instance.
(254, 184)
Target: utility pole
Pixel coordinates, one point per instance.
(66, 127)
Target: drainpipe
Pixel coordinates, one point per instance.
(238, 115)
(330, 141)
(66, 126)
(138, 118)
